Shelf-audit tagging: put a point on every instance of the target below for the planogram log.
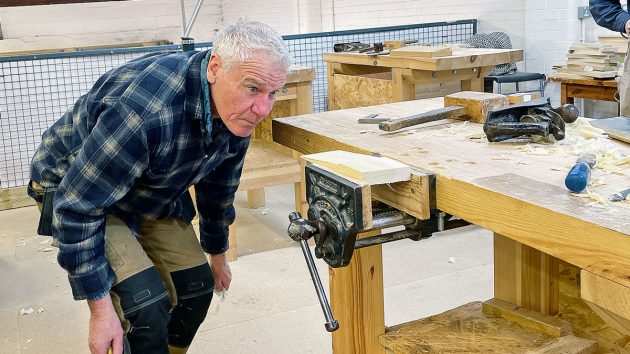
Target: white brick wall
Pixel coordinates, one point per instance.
(74, 25)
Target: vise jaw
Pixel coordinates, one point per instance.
(340, 209)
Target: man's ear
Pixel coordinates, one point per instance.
(213, 68)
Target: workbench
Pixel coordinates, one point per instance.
(358, 80)
(577, 86)
(514, 189)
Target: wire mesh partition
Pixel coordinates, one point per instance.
(35, 90)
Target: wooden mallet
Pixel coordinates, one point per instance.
(465, 105)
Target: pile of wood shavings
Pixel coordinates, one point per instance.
(597, 200)
(452, 130)
(582, 127)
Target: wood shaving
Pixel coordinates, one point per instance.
(476, 136)
(595, 182)
(470, 163)
(501, 157)
(453, 129)
(363, 131)
(597, 200)
(27, 311)
(583, 128)
(523, 162)
(531, 150)
(451, 160)
(555, 169)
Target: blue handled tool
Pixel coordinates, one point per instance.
(579, 175)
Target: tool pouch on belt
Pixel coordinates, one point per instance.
(45, 199)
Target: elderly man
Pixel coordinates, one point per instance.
(112, 176)
(610, 14)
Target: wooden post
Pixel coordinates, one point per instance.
(256, 198)
(330, 79)
(231, 253)
(525, 276)
(403, 89)
(356, 299)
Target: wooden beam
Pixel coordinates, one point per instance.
(526, 318)
(607, 294)
(12, 198)
(356, 299)
(525, 276)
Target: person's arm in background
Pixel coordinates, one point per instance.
(215, 198)
(112, 157)
(610, 14)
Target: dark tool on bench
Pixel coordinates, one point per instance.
(349, 47)
(579, 175)
(617, 197)
(468, 105)
(338, 210)
(372, 119)
(375, 48)
(533, 118)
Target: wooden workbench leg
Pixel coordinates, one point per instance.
(402, 88)
(473, 85)
(330, 80)
(232, 252)
(525, 276)
(256, 198)
(564, 96)
(356, 300)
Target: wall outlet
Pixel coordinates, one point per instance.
(583, 12)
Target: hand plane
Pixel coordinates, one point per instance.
(339, 209)
(533, 118)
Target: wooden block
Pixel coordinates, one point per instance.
(364, 168)
(516, 98)
(478, 104)
(528, 319)
(394, 44)
(413, 197)
(421, 51)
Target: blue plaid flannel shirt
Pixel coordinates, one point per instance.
(609, 14)
(131, 147)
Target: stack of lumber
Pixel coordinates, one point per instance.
(596, 60)
(617, 41)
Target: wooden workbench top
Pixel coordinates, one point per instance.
(512, 188)
(461, 58)
(581, 80)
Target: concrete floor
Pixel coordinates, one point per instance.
(271, 306)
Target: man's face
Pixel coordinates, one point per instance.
(244, 95)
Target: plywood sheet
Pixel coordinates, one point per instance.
(357, 91)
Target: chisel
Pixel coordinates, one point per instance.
(617, 197)
(579, 175)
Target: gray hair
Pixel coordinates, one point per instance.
(243, 39)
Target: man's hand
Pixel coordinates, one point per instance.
(105, 329)
(220, 271)
(628, 27)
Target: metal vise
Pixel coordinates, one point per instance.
(534, 118)
(338, 210)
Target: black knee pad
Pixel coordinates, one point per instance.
(146, 305)
(194, 288)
